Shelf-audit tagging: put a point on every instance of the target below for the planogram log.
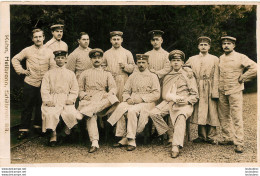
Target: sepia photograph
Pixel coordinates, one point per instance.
(133, 83)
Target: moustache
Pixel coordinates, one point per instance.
(226, 48)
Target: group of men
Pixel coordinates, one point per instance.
(159, 86)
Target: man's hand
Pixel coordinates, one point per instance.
(69, 102)
(49, 104)
(181, 101)
(189, 72)
(27, 72)
(130, 101)
(152, 70)
(138, 100)
(121, 65)
(86, 97)
(105, 95)
(241, 79)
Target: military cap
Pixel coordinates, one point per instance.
(114, 33)
(233, 39)
(57, 26)
(142, 57)
(175, 53)
(204, 39)
(60, 53)
(95, 52)
(154, 33)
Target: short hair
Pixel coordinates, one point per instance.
(80, 35)
(37, 30)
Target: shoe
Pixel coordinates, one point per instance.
(130, 148)
(239, 149)
(117, 145)
(175, 154)
(38, 131)
(169, 144)
(52, 143)
(226, 143)
(198, 140)
(212, 141)
(22, 135)
(92, 149)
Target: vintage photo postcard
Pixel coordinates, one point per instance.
(168, 84)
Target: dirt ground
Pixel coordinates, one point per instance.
(36, 151)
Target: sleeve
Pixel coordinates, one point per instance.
(16, 61)
(82, 80)
(193, 91)
(74, 89)
(127, 88)
(46, 88)
(166, 67)
(251, 68)
(52, 62)
(105, 60)
(215, 93)
(155, 92)
(111, 84)
(129, 67)
(188, 63)
(71, 64)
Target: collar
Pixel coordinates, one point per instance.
(146, 71)
(159, 50)
(54, 40)
(99, 68)
(81, 48)
(36, 47)
(117, 48)
(230, 54)
(62, 68)
(178, 72)
(203, 55)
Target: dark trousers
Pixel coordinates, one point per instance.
(31, 99)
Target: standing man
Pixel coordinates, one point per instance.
(59, 91)
(97, 91)
(179, 95)
(206, 71)
(159, 64)
(78, 60)
(56, 43)
(158, 57)
(119, 61)
(231, 85)
(141, 91)
(38, 61)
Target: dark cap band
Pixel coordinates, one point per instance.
(60, 53)
(96, 52)
(176, 53)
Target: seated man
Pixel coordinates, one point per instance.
(97, 91)
(141, 91)
(59, 91)
(179, 95)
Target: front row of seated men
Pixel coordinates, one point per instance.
(97, 93)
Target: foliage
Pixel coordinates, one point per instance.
(182, 25)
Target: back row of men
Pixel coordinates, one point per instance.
(206, 88)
